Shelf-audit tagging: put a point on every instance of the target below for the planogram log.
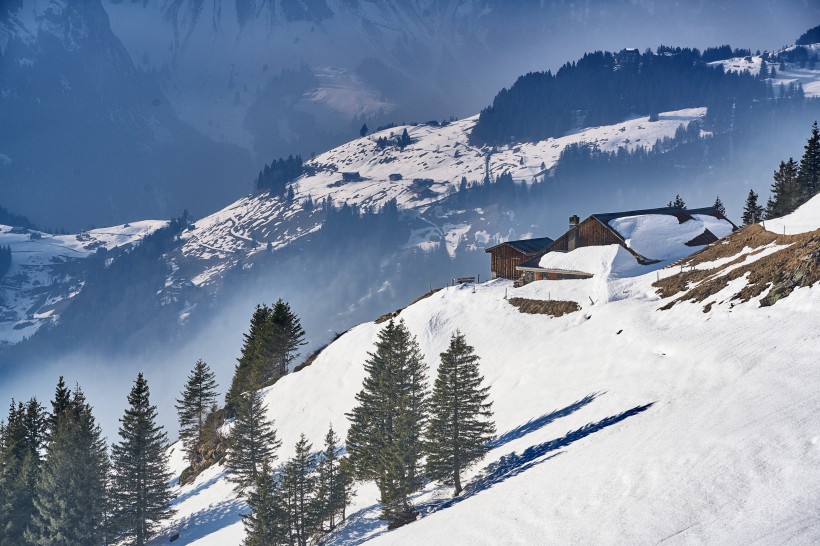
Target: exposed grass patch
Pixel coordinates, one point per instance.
(555, 308)
(796, 265)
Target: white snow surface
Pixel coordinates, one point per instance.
(439, 157)
(35, 288)
(660, 236)
(618, 424)
(793, 73)
(806, 218)
(606, 261)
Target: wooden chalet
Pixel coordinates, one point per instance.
(597, 231)
(506, 256)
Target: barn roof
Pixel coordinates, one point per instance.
(526, 246)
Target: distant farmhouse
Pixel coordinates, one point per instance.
(650, 235)
(505, 257)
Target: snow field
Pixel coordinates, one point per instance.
(674, 426)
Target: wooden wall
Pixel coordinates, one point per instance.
(503, 262)
(590, 232)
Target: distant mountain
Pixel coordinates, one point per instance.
(88, 139)
(372, 223)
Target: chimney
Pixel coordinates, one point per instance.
(572, 239)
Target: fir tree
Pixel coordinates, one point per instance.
(752, 212)
(140, 493)
(718, 206)
(270, 347)
(288, 336)
(808, 173)
(71, 489)
(363, 130)
(678, 202)
(265, 523)
(384, 440)
(198, 397)
(61, 402)
(252, 442)
(299, 494)
(23, 437)
(786, 191)
(333, 488)
(461, 418)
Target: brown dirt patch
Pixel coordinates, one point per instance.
(555, 308)
(788, 268)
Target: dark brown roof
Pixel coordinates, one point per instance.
(526, 246)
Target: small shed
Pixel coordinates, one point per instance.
(506, 256)
(351, 176)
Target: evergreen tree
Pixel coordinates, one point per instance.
(20, 447)
(333, 493)
(71, 489)
(786, 191)
(61, 403)
(752, 212)
(808, 174)
(363, 130)
(678, 202)
(718, 206)
(461, 417)
(288, 336)
(198, 397)
(140, 494)
(252, 442)
(384, 440)
(299, 494)
(265, 524)
(270, 347)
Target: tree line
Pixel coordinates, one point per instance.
(5, 260)
(794, 184)
(540, 105)
(58, 484)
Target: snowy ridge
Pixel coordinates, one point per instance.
(40, 282)
(810, 79)
(678, 425)
(431, 168)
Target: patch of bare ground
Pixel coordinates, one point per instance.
(555, 308)
(796, 265)
(393, 314)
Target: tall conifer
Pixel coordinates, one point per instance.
(71, 489)
(265, 524)
(461, 417)
(140, 493)
(384, 440)
(752, 212)
(252, 442)
(299, 494)
(198, 397)
(808, 174)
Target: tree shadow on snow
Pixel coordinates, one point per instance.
(534, 424)
(514, 464)
(202, 523)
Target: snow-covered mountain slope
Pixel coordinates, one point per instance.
(47, 272)
(792, 73)
(655, 422)
(429, 169)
